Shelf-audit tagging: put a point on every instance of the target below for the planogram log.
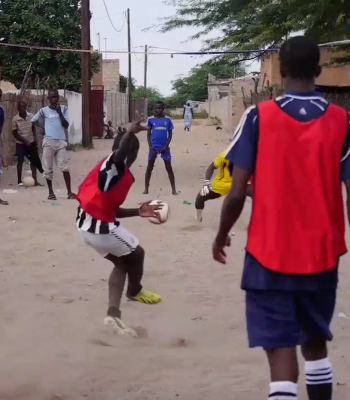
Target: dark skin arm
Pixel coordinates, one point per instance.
(64, 122)
(170, 137)
(18, 137)
(128, 212)
(149, 138)
(231, 211)
(121, 153)
(131, 158)
(210, 171)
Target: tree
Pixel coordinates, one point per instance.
(123, 83)
(43, 23)
(151, 94)
(195, 85)
(250, 24)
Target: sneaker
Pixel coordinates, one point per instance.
(117, 326)
(20, 184)
(146, 297)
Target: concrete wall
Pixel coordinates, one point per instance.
(116, 108)
(111, 75)
(331, 75)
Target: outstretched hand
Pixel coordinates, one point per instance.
(136, 127)
(150, 211)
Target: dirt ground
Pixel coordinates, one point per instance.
(53, 296)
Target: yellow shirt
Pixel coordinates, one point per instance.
(222, 182)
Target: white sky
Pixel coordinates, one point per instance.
(144, 13)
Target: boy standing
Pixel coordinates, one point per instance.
(55, 118)
(26, 144)
(160, 133)
(297, 150)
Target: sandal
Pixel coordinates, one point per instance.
(72, 196)
(52, 197)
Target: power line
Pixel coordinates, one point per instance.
(185, 53)
(110, 19)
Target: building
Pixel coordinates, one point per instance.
(332, 75)
(111, 75)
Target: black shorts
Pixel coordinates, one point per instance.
(22, 151)
(31, 152)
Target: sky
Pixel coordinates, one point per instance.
(162, 69)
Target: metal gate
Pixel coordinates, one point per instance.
(138, 107)
(96, 111)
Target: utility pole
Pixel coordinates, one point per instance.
(99, 42)
(85, 72)
(129, 72)
(105, 39)
(145, 70)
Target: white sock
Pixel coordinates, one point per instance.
(319, 379)
(283, 391)
(199, 214)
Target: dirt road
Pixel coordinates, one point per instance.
(53, 295)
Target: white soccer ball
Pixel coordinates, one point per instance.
(28, 181)
(163, 212)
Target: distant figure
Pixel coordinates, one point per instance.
(109, 130)
(188, 116)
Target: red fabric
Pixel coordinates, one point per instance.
(103, 205)
(297, 223)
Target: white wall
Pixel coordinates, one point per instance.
(75, 130)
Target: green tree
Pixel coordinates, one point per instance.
(45, 23)
(123, 83)
(195, 85)
(250, 24)
(151, 94)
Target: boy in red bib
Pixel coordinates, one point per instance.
(101, 196)
(296, 150)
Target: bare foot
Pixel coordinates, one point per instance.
(38, 184)
(145, 192)
(175, 193)
(4, 203)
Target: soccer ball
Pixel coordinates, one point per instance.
(28, 181)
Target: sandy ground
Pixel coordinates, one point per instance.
(53, 296)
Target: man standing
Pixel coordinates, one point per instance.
(26, 144)
(55, 119)
(296, 148)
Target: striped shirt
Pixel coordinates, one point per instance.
(109, 175)
(23, 126)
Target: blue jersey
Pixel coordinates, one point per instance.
(242, 152)
(159, 128)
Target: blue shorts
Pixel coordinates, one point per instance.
(166, 156)
(282, 319)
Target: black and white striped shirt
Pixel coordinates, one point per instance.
(109, 175)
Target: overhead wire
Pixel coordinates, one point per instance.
(256, 52)
(110, 19)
